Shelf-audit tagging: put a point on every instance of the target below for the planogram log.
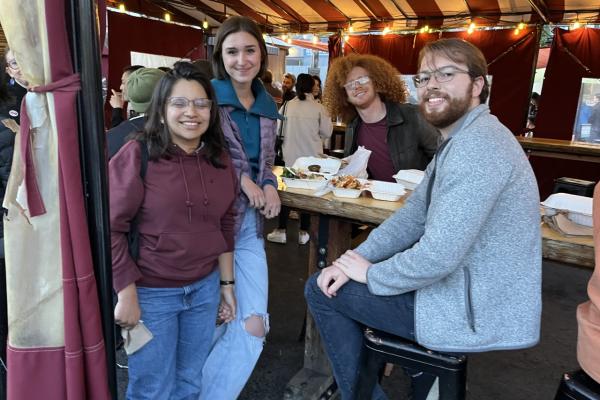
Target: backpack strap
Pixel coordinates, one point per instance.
(133, 238)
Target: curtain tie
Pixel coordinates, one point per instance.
(65, 85)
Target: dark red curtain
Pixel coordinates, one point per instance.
(574, 55)
(127, 34)
(76, 371)
(510, 58)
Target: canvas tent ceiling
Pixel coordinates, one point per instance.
(330, 15)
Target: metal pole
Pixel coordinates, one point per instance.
(86, 61)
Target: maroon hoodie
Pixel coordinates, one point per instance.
(186, 216)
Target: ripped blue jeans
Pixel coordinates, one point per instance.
(235, 351)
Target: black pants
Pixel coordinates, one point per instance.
(284, 215)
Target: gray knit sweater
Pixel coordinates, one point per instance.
(474, 256)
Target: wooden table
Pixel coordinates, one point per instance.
(333, 217)
(564, 149)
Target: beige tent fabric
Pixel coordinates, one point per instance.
(588, 313)
(32, 245)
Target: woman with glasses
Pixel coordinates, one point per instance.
(176, 186)
(369, 95)
(249, 120)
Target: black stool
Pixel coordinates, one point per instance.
(578, 386)
(382, 347)
(579, 187)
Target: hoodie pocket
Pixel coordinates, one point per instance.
(189, 250)
(468, 299)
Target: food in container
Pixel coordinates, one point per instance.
(577, 208)
(299, 179)
(410, 178)
(348, 186)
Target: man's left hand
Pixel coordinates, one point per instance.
(354, 265)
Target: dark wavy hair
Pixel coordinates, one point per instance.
(234, 24)
(5, 97)
(156, 134)
(304, 85)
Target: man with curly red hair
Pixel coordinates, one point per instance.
(369, 95)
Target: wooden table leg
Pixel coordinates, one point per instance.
(314, 379)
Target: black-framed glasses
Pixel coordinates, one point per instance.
(444, 74)
(363, 80)
(183, 102)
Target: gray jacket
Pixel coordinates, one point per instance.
(412, 141)
(474, 255)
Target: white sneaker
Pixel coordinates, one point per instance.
(277, 236)
(303, 237)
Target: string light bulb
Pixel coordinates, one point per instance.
(521, 25)
(386, 30)
(122, 7)
(517, 31)
(264, 36)
(350, 27)
(576, 24)
(289, 40)
(167, 17)
(346, 37)
(315, 39)
(471, 28)
(205, 23)
(284, 36)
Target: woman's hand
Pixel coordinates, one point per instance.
(228, 305)
(272, 202)
(255, 194)
(127, 310)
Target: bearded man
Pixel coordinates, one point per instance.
(458, 268)
(370, 96)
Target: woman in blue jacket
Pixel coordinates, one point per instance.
(248, 118)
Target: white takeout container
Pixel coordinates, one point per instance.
(310, 184)
(410, 178)
(578, 208)
(329, 166)
(386, 191)
(348, 193)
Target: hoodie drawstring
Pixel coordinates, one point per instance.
(188, 202)
(202, 180)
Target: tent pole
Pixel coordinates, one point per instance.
(86, 59)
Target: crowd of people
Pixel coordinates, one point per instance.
(192, 150)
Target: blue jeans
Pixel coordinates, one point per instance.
(182, 321)
(235, 351)
(341, 321)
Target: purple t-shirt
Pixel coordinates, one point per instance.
(374, 137)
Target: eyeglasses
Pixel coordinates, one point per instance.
(444, 74)
(183, 102)
(363, 80)
(12, 64)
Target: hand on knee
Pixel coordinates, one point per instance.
(255, 325)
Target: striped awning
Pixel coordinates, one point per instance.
(330, 15)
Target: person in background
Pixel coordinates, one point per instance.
(267, 80)
(317, 91)
(533, 110)
(287, 86)
(588, 313)
(184, 210)
(117, 99)
(140, 86)
(367, 93)
(306, 124)
(459, 267)
(16, 87)
(249, 120)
